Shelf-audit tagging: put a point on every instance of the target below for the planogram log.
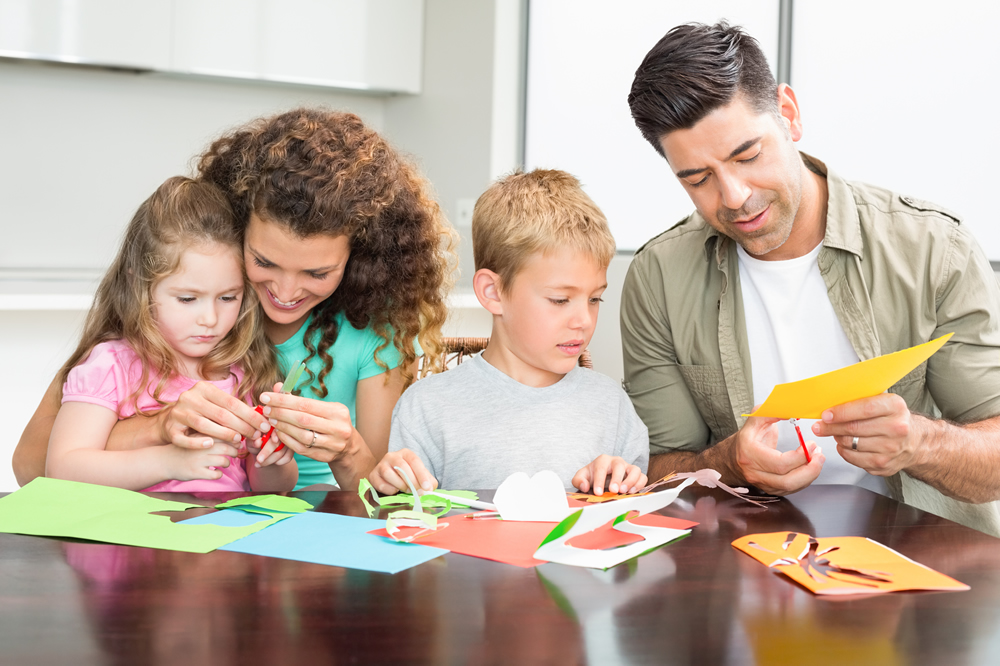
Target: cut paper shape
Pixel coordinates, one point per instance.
(58, 508)
(515, 542)
(541, 498)
(556, 547)
(331, 539)
(710, 478)
(809, 398)
(432, 499)
(267, 504)
(842, 565)
(606, 496)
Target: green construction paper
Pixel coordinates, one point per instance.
(363, 487)
(562, 528)
(57, 508)
(429, 500)
(267, 504)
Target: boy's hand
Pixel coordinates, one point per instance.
(387, 480)
(262, 457)
(621, 477)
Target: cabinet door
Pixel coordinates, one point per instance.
(116, 33)
(355, 44)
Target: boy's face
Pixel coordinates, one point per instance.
(548, 316)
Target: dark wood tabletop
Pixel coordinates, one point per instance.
(694, 601)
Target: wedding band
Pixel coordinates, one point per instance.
(854, 444)
(310, 445)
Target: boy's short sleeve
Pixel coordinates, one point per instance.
(633, 437)
(410, 430)
(102, 379)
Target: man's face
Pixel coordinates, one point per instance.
(743, 174)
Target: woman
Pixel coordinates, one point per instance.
(351, 258)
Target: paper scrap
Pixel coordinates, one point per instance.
(515, 542)
(556, 546)
(842, 565)
(267, 504)
(809, 398)
(540, 498)
(331, 539)
(59, 508)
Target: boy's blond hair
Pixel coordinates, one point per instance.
(525, 213)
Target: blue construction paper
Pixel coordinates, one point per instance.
(327, 538)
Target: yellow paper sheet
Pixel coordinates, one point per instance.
(842, 565)
(809, 398)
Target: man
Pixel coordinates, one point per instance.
(785, 271)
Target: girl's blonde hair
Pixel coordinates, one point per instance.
(313, 172)
(180, 215)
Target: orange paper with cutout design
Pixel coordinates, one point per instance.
(842, 565)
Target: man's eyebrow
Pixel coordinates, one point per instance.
(739, 149)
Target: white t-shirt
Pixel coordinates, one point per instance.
(794, 333)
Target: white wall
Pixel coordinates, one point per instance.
(83, 148)
(582, 57)
(905, 98)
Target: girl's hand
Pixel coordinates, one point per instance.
(262, 457)
(189, 464)
(205, 415)
(319, 430)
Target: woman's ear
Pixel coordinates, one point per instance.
(486, 284)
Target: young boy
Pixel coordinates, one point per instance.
(542, 250)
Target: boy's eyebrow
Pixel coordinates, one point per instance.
(739, 149)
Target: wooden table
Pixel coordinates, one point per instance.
(695, 601)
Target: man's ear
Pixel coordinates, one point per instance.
(486, 284)
(788, 107)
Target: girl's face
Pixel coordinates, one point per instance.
(292, 275)
(197, 306)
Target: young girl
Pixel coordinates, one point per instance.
(174, 309)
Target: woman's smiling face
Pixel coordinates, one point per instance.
(291, 274)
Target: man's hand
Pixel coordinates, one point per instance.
(622, 478)
(889, 436)
(386, 480)
(762, 465)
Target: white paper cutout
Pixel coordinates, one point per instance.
(541, 498)
(592, 517)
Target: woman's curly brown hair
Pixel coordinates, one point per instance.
(316, 171)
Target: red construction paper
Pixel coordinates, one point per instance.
(515, 542)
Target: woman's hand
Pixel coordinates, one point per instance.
(321, 431)
(204, 415)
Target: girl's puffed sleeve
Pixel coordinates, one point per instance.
(102, 379)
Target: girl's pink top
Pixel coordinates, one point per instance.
(110, 375)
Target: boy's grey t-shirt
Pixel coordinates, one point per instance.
(473, 426)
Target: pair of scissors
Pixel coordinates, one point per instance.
(287, 386)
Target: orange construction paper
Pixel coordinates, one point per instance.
(515, 542)
(809, 398)
(842, 565)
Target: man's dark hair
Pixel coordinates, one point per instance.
(693, 70)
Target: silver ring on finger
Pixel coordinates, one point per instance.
(310, 444)
(854, 443)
